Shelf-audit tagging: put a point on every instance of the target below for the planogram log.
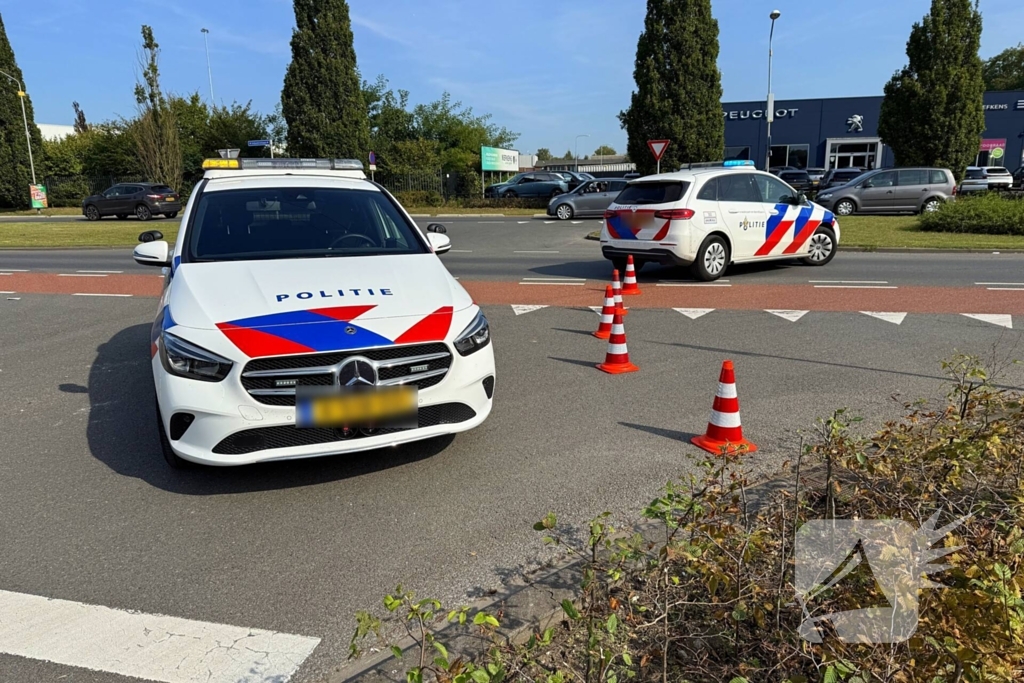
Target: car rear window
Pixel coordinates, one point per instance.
(998, 170)
(938, 177)
(657, 192)
(294, 222)
(164, 189)
(794, 175)
(975, 174)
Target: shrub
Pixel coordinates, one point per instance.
(988, 213)
(417, 198)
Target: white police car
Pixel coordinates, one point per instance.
(297, 280)
(711, 215)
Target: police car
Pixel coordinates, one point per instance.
(711, 215)
(305, 314)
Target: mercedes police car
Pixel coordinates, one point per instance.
(708, 216)
(305, 314)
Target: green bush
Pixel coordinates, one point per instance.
(988, 213)
(419, 198)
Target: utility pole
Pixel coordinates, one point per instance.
(209, 69)
(769, 113)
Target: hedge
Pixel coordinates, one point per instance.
(988, 213)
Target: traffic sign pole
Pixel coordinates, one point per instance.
(658, 148)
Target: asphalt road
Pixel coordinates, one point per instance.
(92, 514)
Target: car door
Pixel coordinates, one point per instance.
(911, 188)
(788, 223)
(108, 202)
(596, 197)
(133, 194)
(585, 198)
(877, 193)
(741, 208)
(527, 186)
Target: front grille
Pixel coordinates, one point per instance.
(263, 377)
(286, 436)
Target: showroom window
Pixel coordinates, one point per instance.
(790, 155)
(742, 153)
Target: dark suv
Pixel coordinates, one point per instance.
(795, 178)
(143, 200)
(839, 176)
(533, 184)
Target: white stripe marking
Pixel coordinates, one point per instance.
(564, 284)
(557, 279)
(521, 308)
(8, 292)
(852, 287)
(14, 270)
(848, 282)
(461, 251)
(726, 390)
(791, 316)
(148, 646)
(522, 222)
(99, 271)
(894, 318)
(1005, 289)
(689, 284)
(536, 251)
(1000, 319)
(596, 309)
(576, 222)
(125, 296)
(549, 222)
(79, 275)
(725, 419)
(693, 313)
(1002, 284)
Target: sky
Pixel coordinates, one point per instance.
(547, 70)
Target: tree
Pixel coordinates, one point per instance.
(932, 113)
(568, 156)
(679, 87)
(322, 100)
(156, 133)
(1005, 71)
(543, 154)
(81, 125)
(605, 151)
(15, 170)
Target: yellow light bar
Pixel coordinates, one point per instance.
(220, 163)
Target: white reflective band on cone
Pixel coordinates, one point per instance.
(725, 419)
(620, 350)
(726, 390)
(618, 329)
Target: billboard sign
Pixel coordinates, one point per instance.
(497, 159)
(38, 194)
(995, 148)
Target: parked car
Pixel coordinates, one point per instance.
(533, 184)
(574, 179)
(835, 177)
(816, 175)
(591, 198)
(143, 200)
(982, 178)
(1018, 179)
(893, 190)
(797, 179)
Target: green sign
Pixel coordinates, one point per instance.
(497, 159)
(38, 194)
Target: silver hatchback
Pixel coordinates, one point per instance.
(591, 198)
(894, 190)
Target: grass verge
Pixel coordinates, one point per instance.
(59, 211)
(79, 234)
(887, 232)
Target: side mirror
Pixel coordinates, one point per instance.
(156, 253)
(151, 236)
(438, 242)
(801, 199)
(438, 228)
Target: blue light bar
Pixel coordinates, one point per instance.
(737, 162)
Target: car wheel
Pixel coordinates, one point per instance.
(172, 458)
(172, 214)
(931, 206)
(822, 247)
(564, 212)
(845, 207)
(143, 213)
(510, 194)
(122, 216)
(92, 213)
(712, 259)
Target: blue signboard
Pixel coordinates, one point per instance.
(259, 143)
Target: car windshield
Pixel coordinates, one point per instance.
(277, 223)
(515, 178)
(660, 192)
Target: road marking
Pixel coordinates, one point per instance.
(520, 308)
(99, 271)
(854, 287)
(549, 222)
(8, 292)
(148, 646)
(461, 251)
(995, 318)
(894, 318)
(596, 309)
(723, 280)
(690, 284)
(538, 251)
(80, 275)
(693, 313)
(576, 222)
(8, 271)
(1005, 289)
(93, 294)
(1001, 284)
(848, 282)
(791, 316)
(564, 284)
(558, 279)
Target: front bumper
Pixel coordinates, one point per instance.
(224, 410)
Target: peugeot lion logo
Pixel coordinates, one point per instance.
(357, 372)
(855, 123)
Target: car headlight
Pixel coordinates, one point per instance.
(827, 195)
(185, 359)
(475, 337)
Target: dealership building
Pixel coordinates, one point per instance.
(842, 132)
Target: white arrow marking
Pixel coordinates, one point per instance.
(595, 309)
(895, 318)
(693, 313)
(791, 316)
(521, 308)
(1000, 319)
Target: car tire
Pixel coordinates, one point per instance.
(172, 214)
(509, 194)
(712, 259)
(823, 247)
(143, 213)
(564, 212)
(122, 216)
(92, 213)
(173, 459)
(845, 207)
(931, 206)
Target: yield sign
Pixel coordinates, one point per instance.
(658, 148)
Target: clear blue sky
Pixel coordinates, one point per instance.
(547, 70)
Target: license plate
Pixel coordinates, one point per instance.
(170, 198)
(356, 408)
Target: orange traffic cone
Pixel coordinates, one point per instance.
(725, 433)
(617, 292)
(604, 329)
(616, 360)
(629, 286)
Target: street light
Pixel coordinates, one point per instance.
(769, 114)
(578, 150)
(24, 118)
(209, 70)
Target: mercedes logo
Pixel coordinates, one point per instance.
(357, 372)
(350, 330)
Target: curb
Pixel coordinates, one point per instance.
(534, 606)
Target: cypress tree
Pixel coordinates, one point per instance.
(933, 113)
(678, 86)
(15, 175)
(322, 100)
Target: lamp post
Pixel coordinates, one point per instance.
(209, 69)
(769, 114)
(24, 118)
(578, 150)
